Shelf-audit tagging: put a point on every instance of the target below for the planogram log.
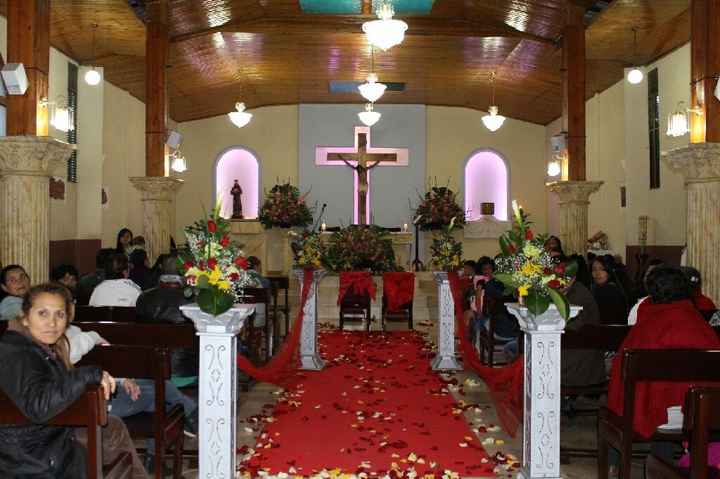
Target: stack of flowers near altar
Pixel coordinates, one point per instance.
(213, 265)
(446, 251)
(284, 207)
(529, 271)
(307, 248)
(360, 247)
(438, 209)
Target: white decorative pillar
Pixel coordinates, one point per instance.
(574, 201)
(218, 388)
(699, 163)
(158, 199)
(445, 360)
(309, 357)
(541, 403)
(26, 164)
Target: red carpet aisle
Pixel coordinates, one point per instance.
(377, 407)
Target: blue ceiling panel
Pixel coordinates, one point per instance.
(331, 6)
(409, 7)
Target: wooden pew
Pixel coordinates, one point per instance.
(171, 336)
(89, 411)
(165, 427)
(118, 314)
(672, 365)
(702, 417)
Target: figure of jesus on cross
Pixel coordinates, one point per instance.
(362, 158)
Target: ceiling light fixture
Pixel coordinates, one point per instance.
(93, 77)
(385, 32)
(554, 168)
(493, 121)
(369, 117)
(240, 117)
(178, 162)
(372, 90)
(635, 75)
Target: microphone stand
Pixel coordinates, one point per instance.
(320, 216)
(417, 265)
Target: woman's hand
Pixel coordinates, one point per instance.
(132, 388)
(108, 384)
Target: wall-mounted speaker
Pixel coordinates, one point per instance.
(14, 78)
(173, 139)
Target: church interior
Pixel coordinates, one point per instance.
(413, 187)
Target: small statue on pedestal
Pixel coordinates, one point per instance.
(236, 193)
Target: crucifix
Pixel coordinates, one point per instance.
(361, 159)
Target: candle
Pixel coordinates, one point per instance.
(323, 226)
(405, 227)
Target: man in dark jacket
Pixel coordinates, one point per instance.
(162, 305)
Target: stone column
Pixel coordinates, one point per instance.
(26, 164)
(158, 199)
(541, 404)
(574, 202)
(700, 165)
(309, 356)
(445, 360)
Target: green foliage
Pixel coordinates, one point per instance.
(214, 301)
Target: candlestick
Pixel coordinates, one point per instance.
(405, 227)
(323, 227)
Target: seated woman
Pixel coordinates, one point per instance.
(668, 320)
(38, 377)
(14, 282)
(608, 291)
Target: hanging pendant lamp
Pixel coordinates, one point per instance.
(369, 117)
(635, 75)
(93, 77)
(493, 120)
(372, 90)
(385, 32)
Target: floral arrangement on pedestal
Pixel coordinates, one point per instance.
(528, 270)
(438, 208)
(285, 207)
(446, 251)
(213, 265)
(308, 249)
(360, 247)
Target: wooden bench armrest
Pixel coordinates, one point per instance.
(76, 414)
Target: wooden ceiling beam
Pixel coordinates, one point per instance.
(318, 24)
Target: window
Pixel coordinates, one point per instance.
(238, 164)
(486, 181)
(654, 128)
(72, 132)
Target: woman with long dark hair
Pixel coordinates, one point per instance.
(608, 291)
(124, 238)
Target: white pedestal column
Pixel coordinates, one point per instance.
(158, 199)
(218, 388)
(309, 357)
(445, 359)
(541, 404)
(574, 202)
(26, 164)
(699, 163)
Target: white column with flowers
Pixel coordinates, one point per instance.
(528, 269)
(214, 268)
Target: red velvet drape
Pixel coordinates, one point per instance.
(281, 368)
(399, 289)
(356, 282)
(505, 383)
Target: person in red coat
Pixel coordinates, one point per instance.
(668, 320)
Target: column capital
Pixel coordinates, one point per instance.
(697, 162)
(32, 155)
(574, 191)
(158, 188)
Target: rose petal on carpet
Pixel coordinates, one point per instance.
(377, 407)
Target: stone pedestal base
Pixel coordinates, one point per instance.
(402, 247)
(158, 199)
(574, 201)
(700, 165)
(309, 356)
(445, 360)
(26, 163)
(278, 255)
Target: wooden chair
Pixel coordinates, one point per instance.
(702, 417)
(259, 338)
(164, 426)
(89, 411)
(405, 312)
(489, 342)
(669, 365)
(282, 283)
(355, 307)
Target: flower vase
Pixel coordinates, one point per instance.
(309, 356)
(541, 403)
(445, 360)
(217, 387)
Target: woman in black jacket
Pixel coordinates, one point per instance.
(38, 378)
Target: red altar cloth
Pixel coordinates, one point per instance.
(356, 282)
(399, 289)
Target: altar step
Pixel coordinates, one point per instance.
(425, 305)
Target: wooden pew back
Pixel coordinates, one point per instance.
(171, 336)
(118, 314)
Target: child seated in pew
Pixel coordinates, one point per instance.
(14, 282)
(39, 378)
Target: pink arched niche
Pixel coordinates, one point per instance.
(486, 180)
(238, 164)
